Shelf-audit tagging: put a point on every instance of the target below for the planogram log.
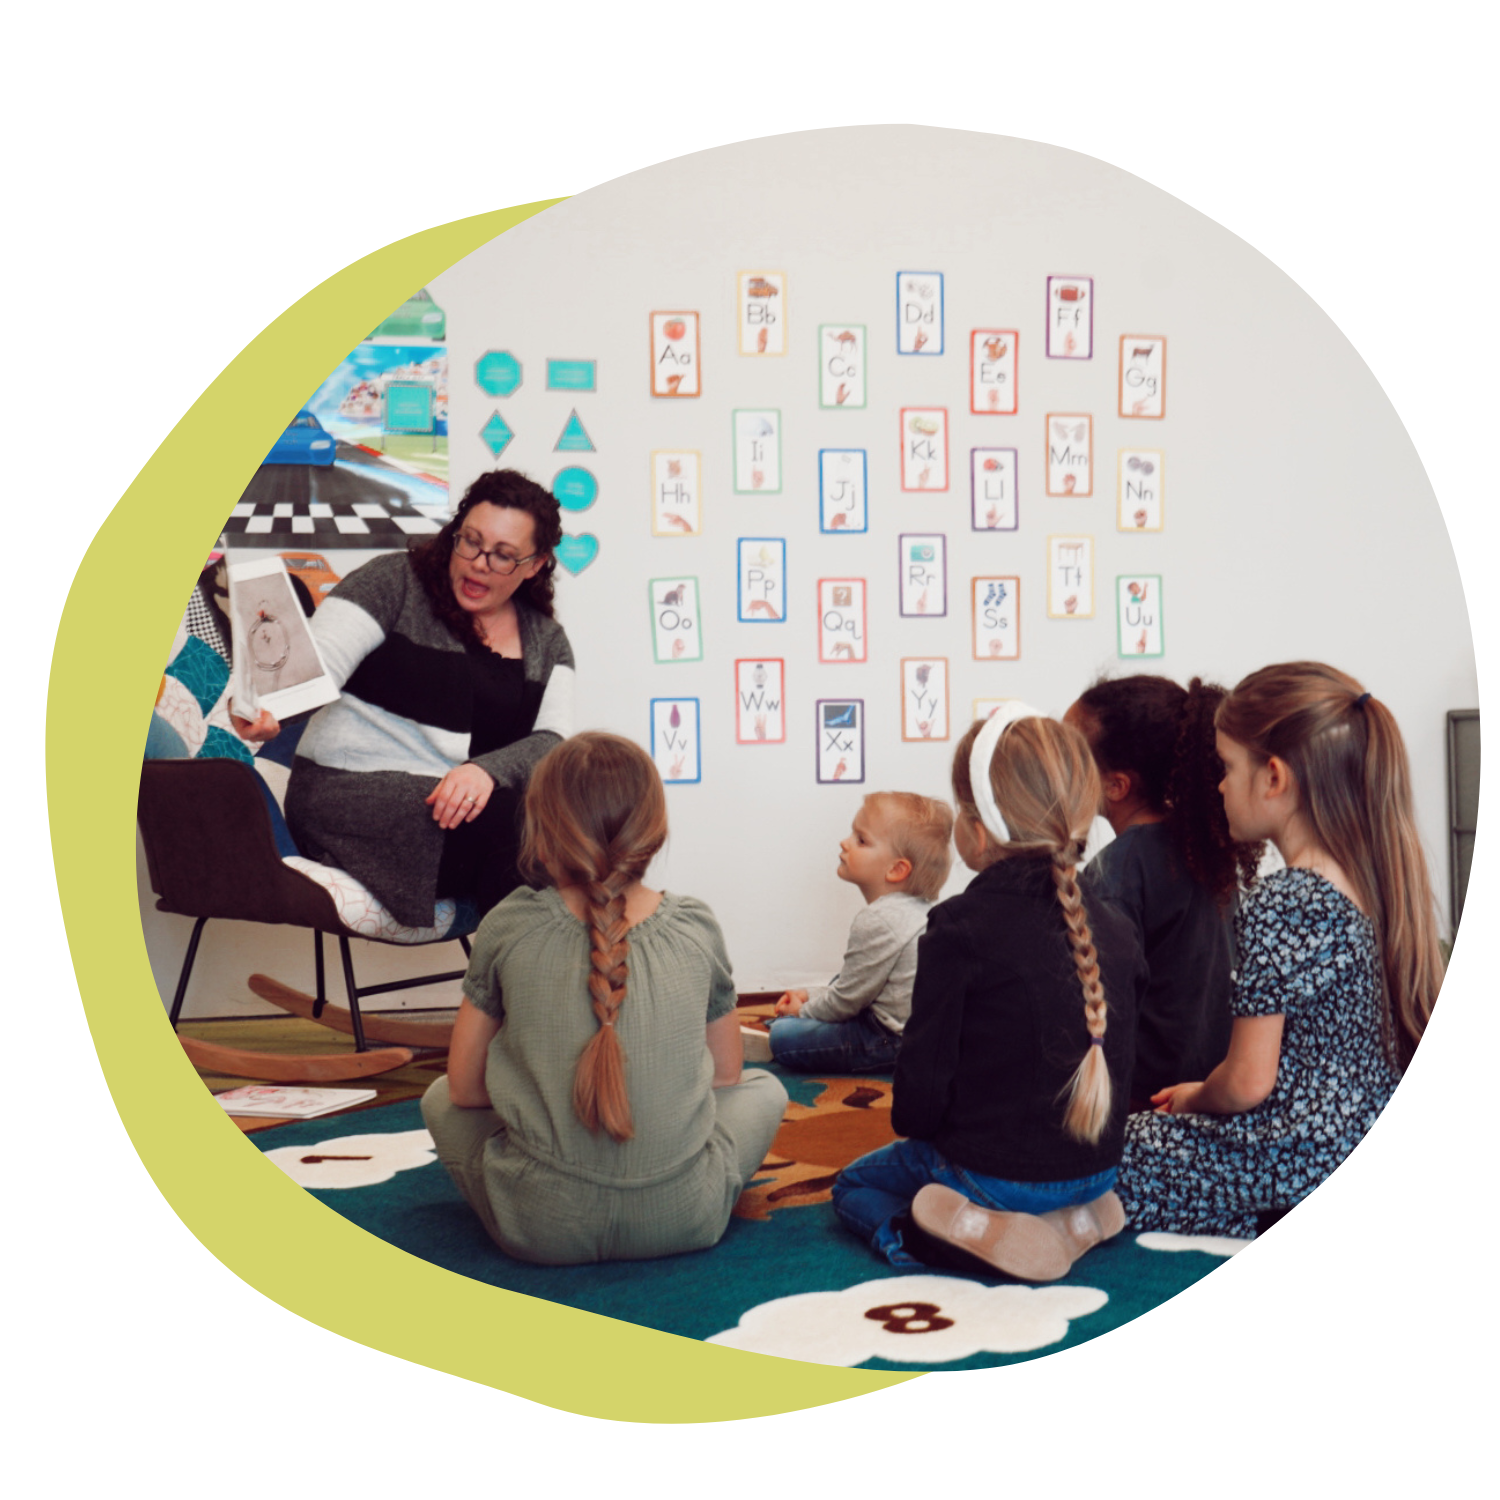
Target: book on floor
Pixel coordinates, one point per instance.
(289, 1103)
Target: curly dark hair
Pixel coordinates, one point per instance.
(510, 490)
(1162, 736)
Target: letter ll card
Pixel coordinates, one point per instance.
(759, 719)
(1141, 478)
(919, 312)
(924, 697)
(992, 372)
(1070, 453)
(1139, 603)
(843, 481)
(992, 489)
(674, 354)
(762, 312)
(841, 620)
(1143, 375)
(762, 591)
(924, 573)
(924, 448)
(841, 739)
(997, 618)
(841, 364)
(1070, 577)
(676, 488)
(757, 452)
(675, 739)
(1070, 317)
(676, 634)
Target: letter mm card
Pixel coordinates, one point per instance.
(924, 573)
(1070, 577)
(919, 312)
(674, 355)
(841, 620)
(1138, 602)
(676, 742)
(1143, 375)
(924, 448)
(994, 503)
(992, 372)
(1070, 317)
(1070, 453)
(997, 618)
(924, 697)
(841, 739)
(762, 586)
(676, 632)
(757, 452)
(842, 365)
(760, 307)
(676, 492)
(843, 486)
(1141, 480)
(759, 717)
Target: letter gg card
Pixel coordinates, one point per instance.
(1138, 597)
(1070, 577)
(997, 618)
(843, 483)
(841, 739)
(761, 297)
(675, 739)
(1070, 453)
(841, 364)
(1143, 375)
(762, 592)
(676, 634)
(924, 448)
(674, 354)
(993, 504)
(924, 697)
(1070, 317)
(759, 719)
(1140, 489)
(924, 573)
(757, 452)
(919, 312)
(676, 487)
(992, 372)
(841, 620)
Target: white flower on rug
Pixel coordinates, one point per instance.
(1209, 1244)
(911, 1320)
(351, 1161)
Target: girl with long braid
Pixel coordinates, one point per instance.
(594, 1107)
(1338, 962)
(1011, 1083)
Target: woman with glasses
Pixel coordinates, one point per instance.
(456, 680)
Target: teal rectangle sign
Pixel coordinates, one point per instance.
(570, 374)
(408, 407)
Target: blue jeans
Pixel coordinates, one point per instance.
(872, 1191)
(858, 1045)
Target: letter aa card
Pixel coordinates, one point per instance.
(841, 364)
(762, 579)
(759, 719)
(924, 573)
(762, 312)
(992, 372)
(675, 631)
(997, 618)
(676, 487)
(1070, 453)
(841, 739)
(924, 448)
(1143, 375)
(924, 697)
(1140, 502)
(757, 452)
(674, 354)
(675, 739)
(1140, 624)
(1070, 577)
(992, 489)
(1070, 317)
(919, 312)
(843, 481)
(841, 620)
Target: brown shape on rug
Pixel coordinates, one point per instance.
(816, 1142)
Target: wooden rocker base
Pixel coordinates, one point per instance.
(396, 1033)
(238, 1062)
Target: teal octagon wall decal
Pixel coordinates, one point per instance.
(498, 372)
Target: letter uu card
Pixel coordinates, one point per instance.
(924, 697)
(759, 719)
(674, 354)
(1138, 598)
(841, 739)
(675, 739)
(761, 297)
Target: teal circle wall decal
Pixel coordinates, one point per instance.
(575, 488)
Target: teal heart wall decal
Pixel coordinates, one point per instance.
(575, 553)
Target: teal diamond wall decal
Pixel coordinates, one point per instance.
(496, 434)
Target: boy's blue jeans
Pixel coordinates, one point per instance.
(872, 1191)
(858, 1045)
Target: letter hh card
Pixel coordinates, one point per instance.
(674, 354)
(841, 739)
(924, 573)
(841, 619)
(1070, 317)
(1140, 489)
(992, 489)
(997, 618)
(675, 739)
(924, 447)
(757, 452)
(924, 697)
(762, 579)
(1143, 375)
(841, 364)
(676, 486)
(675, 631)
(1070, 577)
(1138, 600)
(761, 296)
(1070, 453)
(759, 719)
(992, 372)
(919, 312)
(843, 481)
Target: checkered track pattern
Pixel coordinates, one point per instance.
(339, 523)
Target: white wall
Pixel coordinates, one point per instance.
(1299, 523)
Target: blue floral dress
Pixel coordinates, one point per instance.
(1306, 952)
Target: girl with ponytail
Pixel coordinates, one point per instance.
(1338, 961)
(594, 1107)
(1011, 1083)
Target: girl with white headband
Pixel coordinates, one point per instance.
(1011, 1084)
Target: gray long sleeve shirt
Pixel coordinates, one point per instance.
(880, 965)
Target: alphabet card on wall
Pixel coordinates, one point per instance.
(762, 592)
(758, 684)
(1070, 317)
(841, 620)
(1070, 453)
(924, 697)
(1143, 375)
(924, 573)
(676, 740)
(992, 372)
(676, 488)
(1070, 577)
(924, 447)
(841, 739)
(762, 312)
(676, 631)
(757, 452)
(919, 312)
(1138, 600)
(997, 618)
(674, 354)
(841, 364)
(843, 483)
(993, 503)
(1140, 489)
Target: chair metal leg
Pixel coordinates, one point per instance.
(187, 969)
(464, 944)
(353, 989)
(322, 992)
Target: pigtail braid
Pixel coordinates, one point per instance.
(600, 1099)
(1088, 1092)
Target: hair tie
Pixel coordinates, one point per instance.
(1363, 699)
(1096, 1041)
(983, 752)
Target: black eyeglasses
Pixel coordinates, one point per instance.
(496, 561)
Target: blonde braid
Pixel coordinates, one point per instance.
(1088, 1092)
(600, 1098)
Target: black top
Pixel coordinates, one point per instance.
(1182, 1033)
(997, 1028)
(505, 704)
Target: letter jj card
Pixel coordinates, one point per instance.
(1143, 375)
(992, 489)
(924, 448)
(841, 619)
(675, 740)
(992, 372)
(1070, 317)
(919, 312)
(759, 719)
(757, 452)
(997, 618)
(762, 579)
(674, 354)
(1070, 577)
(1140, 624)
(675, 631)
(1140, 491)
(924, 573)
(924, 697)
(841, 739)
(676, 488)
(762, 312)
(841, 364)
(843, 482)
(1070, 453)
